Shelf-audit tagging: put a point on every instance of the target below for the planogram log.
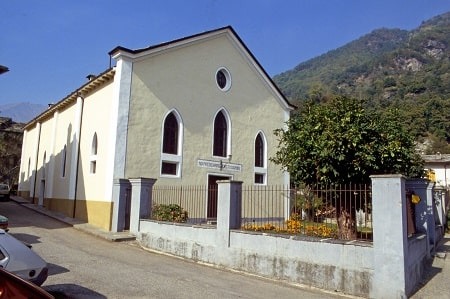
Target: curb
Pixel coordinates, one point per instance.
(77, 224)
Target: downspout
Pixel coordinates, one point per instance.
(37, 160)
(78, 158)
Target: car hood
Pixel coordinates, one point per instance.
(18, 256)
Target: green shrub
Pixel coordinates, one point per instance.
(170, 212)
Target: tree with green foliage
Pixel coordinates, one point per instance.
(340, 142)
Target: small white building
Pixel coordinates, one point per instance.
(187, 112)
(438, 167)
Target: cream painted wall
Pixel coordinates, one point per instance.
(96, 119)
(27, 161)
(44, 153)
(64, 136)
(184, 79)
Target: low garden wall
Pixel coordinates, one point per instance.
(330, 265)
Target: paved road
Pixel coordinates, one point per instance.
(436, 280)
(84, 266)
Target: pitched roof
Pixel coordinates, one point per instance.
(437, 158)
(119, 50)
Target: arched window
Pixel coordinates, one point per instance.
(259, 151)
(93, 164)
(64, 152)
(43, 164)
(170, 139)
(220, 142)
(29, 167)
(172, 136)
(63, 161)
(260, 159)
(94, 145)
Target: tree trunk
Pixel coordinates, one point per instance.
(346, 225)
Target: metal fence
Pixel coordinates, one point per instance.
(338, 211)
(186, 204)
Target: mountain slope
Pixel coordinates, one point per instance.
(386, 64)
(21, 112)
(389, 68)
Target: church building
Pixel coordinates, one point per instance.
(187, 112)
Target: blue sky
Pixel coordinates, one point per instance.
(50, 46)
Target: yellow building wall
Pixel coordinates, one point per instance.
(96, 120)
(97, 213)
(93, 203)
(184, 79)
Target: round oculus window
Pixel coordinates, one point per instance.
(223, 79)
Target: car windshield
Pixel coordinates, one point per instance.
(4, 187)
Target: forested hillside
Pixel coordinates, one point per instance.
(11, 135)
(389, 68)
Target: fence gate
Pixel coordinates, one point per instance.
(211, 211)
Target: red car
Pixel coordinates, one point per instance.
(12, 286)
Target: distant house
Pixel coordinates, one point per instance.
(438, 167)
(187, 112)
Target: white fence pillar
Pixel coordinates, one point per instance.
(120, 194)
(389, 236)
(424, 210)
(228, 210)
(439, 199)
(141, 201)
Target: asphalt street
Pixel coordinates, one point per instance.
(85, 266)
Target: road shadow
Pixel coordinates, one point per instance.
(430, 268)
(72, 291)
(26, 214)
(26, 238)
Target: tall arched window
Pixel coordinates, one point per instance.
(259, 151)
(260, 159)
(29, 167)
(43, 164)
(93, 164)
(63, 161)
(220, 142)
(170, 139)
(94, 145)
(172, 135)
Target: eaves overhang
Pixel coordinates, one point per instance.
(90, 86)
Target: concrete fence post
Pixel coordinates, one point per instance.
(439, 198)
(424, 210)
(120, 187)
(390, 242)
(228, 210)
(141, 201)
